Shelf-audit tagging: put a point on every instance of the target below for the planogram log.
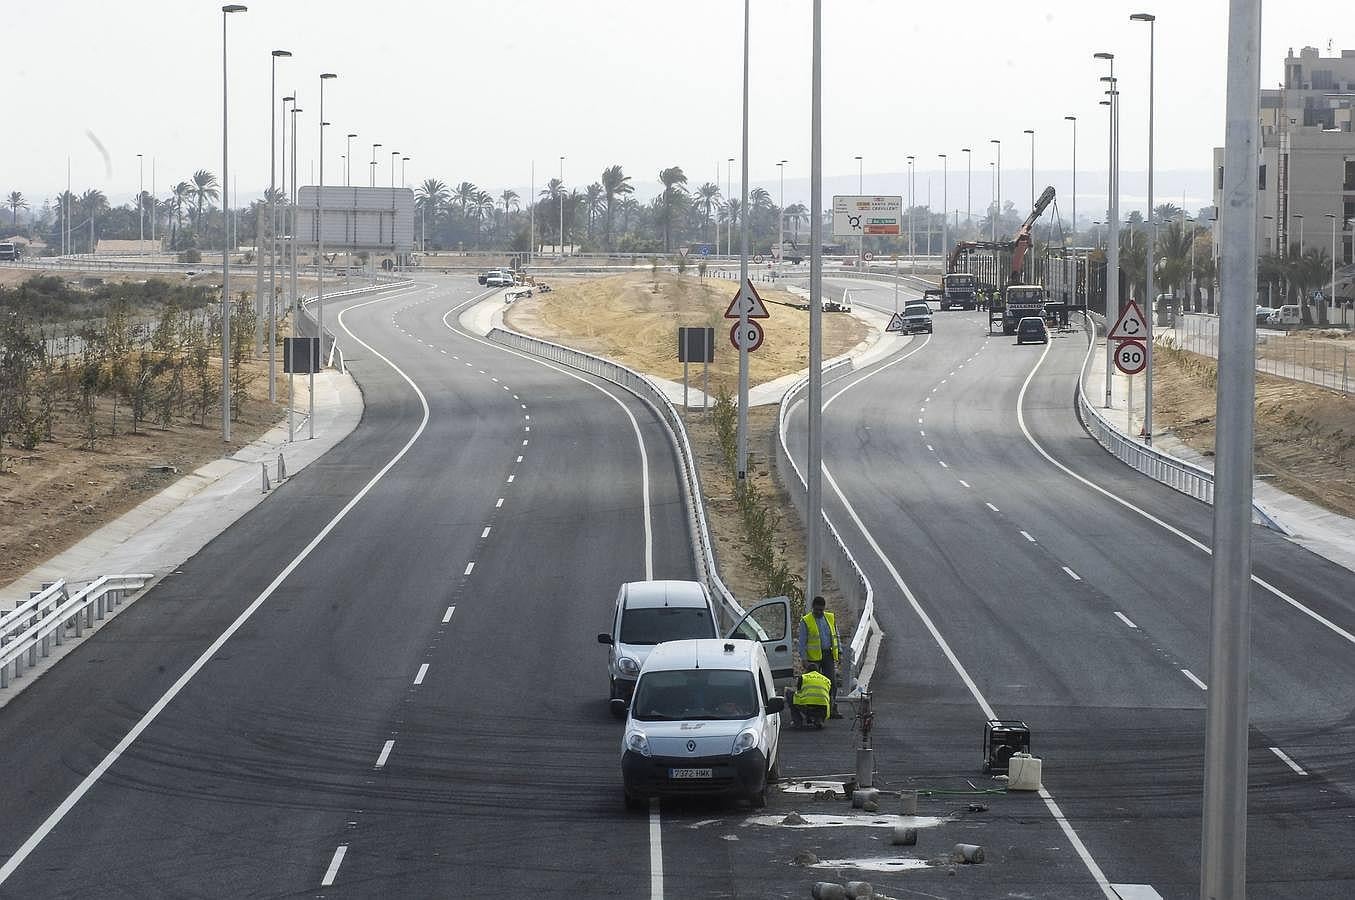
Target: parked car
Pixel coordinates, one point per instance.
(484, 276)
(705, 719)
(499, 279)
(1032, 330)
(1287, 316)
(1263, 314)
(917, 317)
(647, 614)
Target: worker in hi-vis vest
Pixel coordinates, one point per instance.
(819, 643)
(809, 701)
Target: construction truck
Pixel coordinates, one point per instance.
(996, 264)
(959, 289)
(1018, 302)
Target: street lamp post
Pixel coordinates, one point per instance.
(560, 204)
(395, 155)
(1334, 217)
(969, 186)
(225, 243)
(141, 204)
(295, 292)
(1152, 230)
(1112, 219)
(741, 467)
(729, 193)
(1031, 132)
(814, 452)
(404, 182)
(348, 164)
(320, 250)
(1073, 119)
(371, 180)
(860, 189)
(997, 190)
(781, 217)
(912, 239)
(945, 209)
(272, 227)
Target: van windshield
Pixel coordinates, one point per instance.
(695, 694)
(666, 623)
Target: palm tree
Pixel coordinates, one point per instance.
(554, 194)
(205, 190)
(674, 192)
(615, 183)
(15, 201)
(797, 212)
(509, 199)
(593, 204)
(181, 199)
(707, 198)
(484, 207)
(463, 196)
(430, 197)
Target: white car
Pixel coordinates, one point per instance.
(499, 279)
(705, 719)
(648, 613)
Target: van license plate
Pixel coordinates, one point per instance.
(691, 773)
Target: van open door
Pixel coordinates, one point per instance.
(769, 624)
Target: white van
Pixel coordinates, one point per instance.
(1289, 316)
(705, 719)
(647, 614)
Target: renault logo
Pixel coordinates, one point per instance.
(691, 746)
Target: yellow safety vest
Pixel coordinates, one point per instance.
(813, 643)
(813, 691)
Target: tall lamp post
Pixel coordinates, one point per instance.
(1031, 132)
(860, 189)
(997, 190)
(969, 186)
(560, 204)
(945, 209)
(1152, 231)
(741, 467)
(225, 243)
(781, 216)
(404, 182)
(1334, 218)
(912, 245)
(1073, 119)
(141, 203)
(348, 165)
(320, 246)
(371, 180)
(395, 156)
(1112, 217)
(272, 227)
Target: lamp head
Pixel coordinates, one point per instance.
(965, 150)
(352, 135)
(1102, 54)
(291, 99)
(1029, 131)
(325, 76)
(234, 7)
(995, 141)
(1070, 118)
(1143, 17)
(281, 53)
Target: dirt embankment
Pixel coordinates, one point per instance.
(1305, 434)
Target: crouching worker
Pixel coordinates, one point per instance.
(809, 701)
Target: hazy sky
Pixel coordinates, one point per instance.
(479, 89)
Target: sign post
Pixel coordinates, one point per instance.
(695, 345)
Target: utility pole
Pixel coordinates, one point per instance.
(741, 469)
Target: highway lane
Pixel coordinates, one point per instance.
(276, 753)
(1011, 559)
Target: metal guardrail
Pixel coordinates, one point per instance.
(1192, 480)
(36, 625)
(649, 393)
(839, 560)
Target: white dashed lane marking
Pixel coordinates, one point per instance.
(470, 567)
(1071, 574)
(963, 482)
(1125, 619)
(499, 504)
(1284, 758)
(423, 671)
(1027, 536)
(991, 506)
(334, 864)
(943, 464)
(384, 754)
(485, 533)
(447, 616)
(1194, 680)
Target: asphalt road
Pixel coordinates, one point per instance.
(1076, 613)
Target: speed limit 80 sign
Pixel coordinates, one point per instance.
(1131, 357)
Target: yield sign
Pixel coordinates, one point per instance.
(1131, 326)
(747, 298)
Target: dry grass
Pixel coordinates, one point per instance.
(633, 319)
(1305, 435)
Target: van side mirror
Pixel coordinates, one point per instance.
(605, 638)
(776, 704)
(618, 707)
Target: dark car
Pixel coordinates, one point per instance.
(1032, 330)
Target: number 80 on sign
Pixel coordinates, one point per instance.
(1131, 357)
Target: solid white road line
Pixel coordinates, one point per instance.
(1030, 438)
(485, 533)
(992, 507)
(655, 852)
(1054, 810)
(1027, 536)
(333, 870)
(447, 616)
(385, 754)
(470, 567)
(423, 670)
(1125, 619)
(1071, 574)
(153, 713)
(1284, 758)
(1194, 680)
